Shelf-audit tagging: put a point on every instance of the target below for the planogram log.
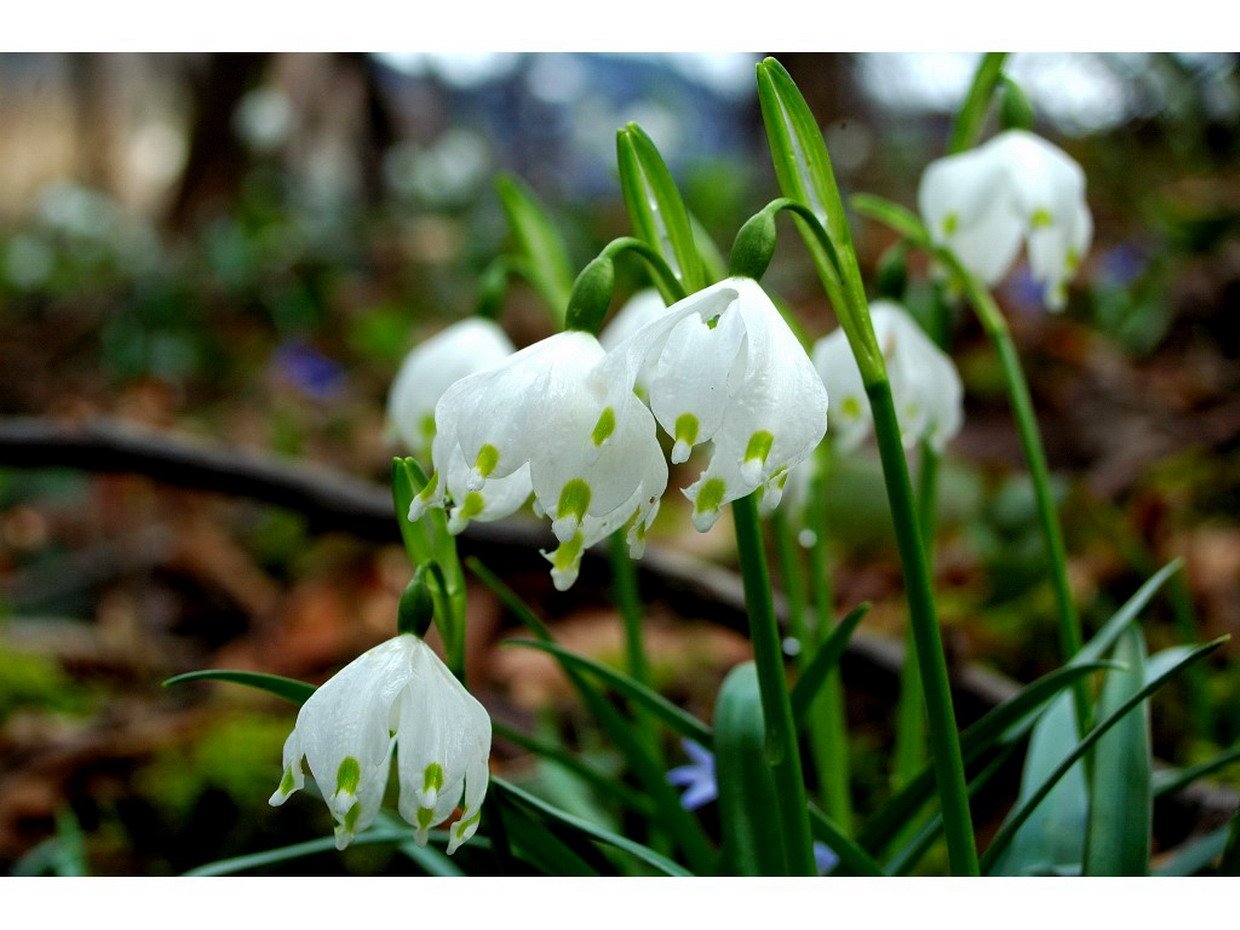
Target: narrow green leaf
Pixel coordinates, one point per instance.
(676, 719)
(751, 839)
(1004, 724)
(534, 843)
(972, 115)
(643, 853)
(1169, 781)
(546, 262)
(1108, 635)
(656, 209)
(288, 688)
(894, 216)
(825, 659)
(1121, 808)
(853, 859)
(1004, 837)
(1195, 857)
(714, 265)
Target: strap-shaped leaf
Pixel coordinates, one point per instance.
(1026, 808)
(747, 810)
(676, 719)
(1169, 781)
(545, 258)
(656, 860)
(656, 209)
(892, 215)
(288, 688)
(827, 656)
(853, 859)
(1121, 806)
(1195, 857)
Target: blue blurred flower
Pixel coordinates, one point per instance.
(1122, 264)
(308, 370)
(697, 778)
(825, 858)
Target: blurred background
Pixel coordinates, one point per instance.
(241, 248)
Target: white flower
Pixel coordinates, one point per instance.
(730, 371)
(471, 345)
(398, 692)
(559, 418)
(925, 387)
(983, 202)
(642, 308)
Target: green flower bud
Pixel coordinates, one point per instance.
(591, 296)
(417, 607)
(754, 246)
(1015, 111)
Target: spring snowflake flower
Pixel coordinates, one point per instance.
(924, 384)
(559, 417)
(982, 203)
(727, 369)
(398, 692)
(430, 368)
(643, 308)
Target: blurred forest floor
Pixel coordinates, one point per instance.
(261, 296)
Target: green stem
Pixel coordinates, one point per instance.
(972, 115)
(782, 750)
(628, 601)
(828, 721)
(910, 719)
(1069, 623)
(944, 738)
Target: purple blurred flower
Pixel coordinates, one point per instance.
(308, 370)
(825, 858)
(1122, 264)
(697, 778)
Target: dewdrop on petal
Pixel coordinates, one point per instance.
(398, 693)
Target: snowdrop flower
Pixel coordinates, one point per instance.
(982, 203)
(471, 345)
(924, 384)
(730, 371)
(398, 692)
(560, 418)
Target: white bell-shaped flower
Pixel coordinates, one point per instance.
(641, 309)
(925, 387)
(430, 368)
(571, 425)
(398, 692)
(982, 203)
(728, 370)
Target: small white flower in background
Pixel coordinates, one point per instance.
(555, 413)
(430, 368)
(727, 369)
(925, 387)
(982, 203)
(642, 308)
(400, 692)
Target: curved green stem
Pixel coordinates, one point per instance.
(661, 269)
(782, 750)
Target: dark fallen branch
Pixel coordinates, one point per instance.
(334, 501)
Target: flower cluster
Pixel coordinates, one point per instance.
(561, 419)
(398, 693)
(982, 203)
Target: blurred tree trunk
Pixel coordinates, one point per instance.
(215, 165)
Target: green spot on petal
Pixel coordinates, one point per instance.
(850, 407)
(1073, 260)
(287, 782)
(710, 495)
(951, 223)
(687, 427)
(759, 446)
(488, 458)
(427, 427)
(474, 505)
(567, 553)
(431, 484)
(605, 426)
(462, 825)
(424, 818)
(350, 819)
(1041, 219)
(432, 777)
(574, 500)
(348, 775)
(713, 321)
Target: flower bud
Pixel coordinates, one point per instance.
(754, 246)
(591, 296)
(417, 607)
(1015, 111)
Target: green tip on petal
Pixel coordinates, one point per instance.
(488, 458)
(605, 426)
(347, 776)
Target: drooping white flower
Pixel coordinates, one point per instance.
(925, 387)
(571, 424)
(641, 309)
(982, 203)
(430, 368)
(727, 369)
(398, 692)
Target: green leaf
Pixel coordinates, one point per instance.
(1023, 810)
(532, 842)
(1169, 781)
(651, 858)
(288, 688)
(545, 258)
(972, 115)
(825, 659)
(892, 215)
(853, 858)
(1109, 634)
(751, 839)
(1121, 808)
(656, 209)
(1004, 724)
(660, 707)
(1195, 857)
(714, 265)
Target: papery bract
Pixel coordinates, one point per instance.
(430, 368)
(982, 203)
(398, 692)
(926, 389)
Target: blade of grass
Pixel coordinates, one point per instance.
(825, 659)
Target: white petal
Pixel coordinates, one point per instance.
(851, 420)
